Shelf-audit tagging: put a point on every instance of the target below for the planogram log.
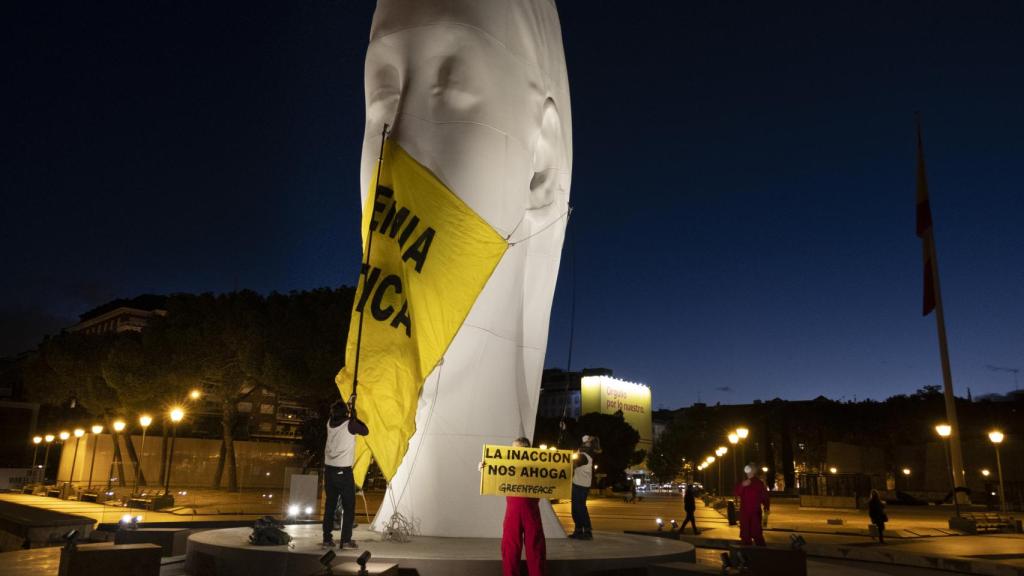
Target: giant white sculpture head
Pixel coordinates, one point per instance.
(477, 91)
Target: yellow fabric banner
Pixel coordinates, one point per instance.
(430, 257)
(526, 472)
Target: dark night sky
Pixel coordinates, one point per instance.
(743, 179)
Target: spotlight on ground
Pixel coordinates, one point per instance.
(69, 539)
(293, 510)
(661, 524)
(326, 561)
(361, 561)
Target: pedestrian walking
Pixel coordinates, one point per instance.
(582, 476)
(876, 511)
(339, 453)
(689, 506)
(753, 495)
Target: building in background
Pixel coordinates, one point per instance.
(122, 315)
(572, 394)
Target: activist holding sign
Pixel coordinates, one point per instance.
(582, 476)
(522, 513)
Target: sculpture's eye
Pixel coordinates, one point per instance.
(454, 86)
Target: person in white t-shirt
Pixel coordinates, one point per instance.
(339, 454)
(581, 479)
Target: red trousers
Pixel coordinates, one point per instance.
(750, 526)
(522, 518)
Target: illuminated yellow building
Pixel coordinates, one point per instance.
(608, 395)
(595, 390)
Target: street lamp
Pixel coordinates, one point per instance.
(707, 464)
(997, 438)
(35, 451)
(734, 438)
(118, 427)
(743, 433)
(145, 420)
(176, 415)
(833, 470)
(985, 472)
(945, 431)
(48, 438)
(64, 435)
(195, 394)
(96, 429)
(722, 450)
(74, 459)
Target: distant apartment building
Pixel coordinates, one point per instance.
(122, 315)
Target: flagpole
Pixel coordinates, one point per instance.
(947, 377)
(366, 270)
(956, 455)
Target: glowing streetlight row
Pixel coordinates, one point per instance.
(176, 414)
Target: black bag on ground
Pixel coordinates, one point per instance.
(269, 532)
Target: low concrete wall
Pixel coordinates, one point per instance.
(260, 464)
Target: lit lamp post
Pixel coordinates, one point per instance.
(176, 415)
(743, 433)
(46, 459)
(997, 438)
(96, 429)
(145, 420)
(708, 462)
(74, 459)
(118, 428)
(195, 394)
(944, 431)
(37, 440)
(721, 452)
(734, 438)
(64, 435)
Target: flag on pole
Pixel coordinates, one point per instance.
(924, 229)
(431, 257)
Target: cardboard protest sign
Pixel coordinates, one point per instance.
(526, 472)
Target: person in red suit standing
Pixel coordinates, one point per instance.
(522, 522)
(753, 494)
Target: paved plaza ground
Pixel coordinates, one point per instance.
(912, 531)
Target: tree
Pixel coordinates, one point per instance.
(618, 442)
(227, 344)
(664, 461)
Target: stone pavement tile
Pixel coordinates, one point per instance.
(39, 561)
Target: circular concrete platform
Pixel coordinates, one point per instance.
(227, 552)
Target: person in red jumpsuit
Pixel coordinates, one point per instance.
(753, 494)
(522, 522)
